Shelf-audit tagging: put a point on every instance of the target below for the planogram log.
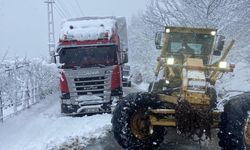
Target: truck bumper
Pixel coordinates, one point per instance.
(72, 107)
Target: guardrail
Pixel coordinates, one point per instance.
(27, 101)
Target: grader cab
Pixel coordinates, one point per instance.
(184, 97)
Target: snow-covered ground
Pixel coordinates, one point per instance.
(43, 127)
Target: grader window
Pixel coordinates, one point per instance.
(197, 44)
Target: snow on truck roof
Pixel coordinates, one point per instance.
(87, 28)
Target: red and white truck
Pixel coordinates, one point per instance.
(92, 51)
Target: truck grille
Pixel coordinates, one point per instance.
(90, 85)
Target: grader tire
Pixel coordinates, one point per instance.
(158, 86)
(213, 95)
(233, 121)
(131, 122)
(155, 87)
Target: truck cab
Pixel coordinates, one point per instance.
(92, 56)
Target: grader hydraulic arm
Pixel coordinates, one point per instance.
(215, 74)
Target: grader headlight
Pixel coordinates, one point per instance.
(223, 64)
(170, 61)
(167, 30)
(213, 33)
(167, 82)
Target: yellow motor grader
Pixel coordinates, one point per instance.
(184, 97)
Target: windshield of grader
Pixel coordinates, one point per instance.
(94, 56)
(199, 45)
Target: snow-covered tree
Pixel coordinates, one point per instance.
(25, 82)
(230, 17)
(142, 53)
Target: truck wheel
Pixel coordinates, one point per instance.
(107, 107)
(235, 126)
(131, 124)
(129, 84)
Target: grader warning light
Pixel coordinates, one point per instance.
(170, 61)
(223, 64)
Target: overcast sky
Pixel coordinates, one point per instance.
(23, 24)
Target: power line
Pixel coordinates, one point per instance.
(61, 5)
(60, 12)
(77, 3)
(73, 8)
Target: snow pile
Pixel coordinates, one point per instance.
(43, 127)
(89, 28)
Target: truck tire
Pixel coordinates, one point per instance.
(233, 122)
(131, 122)
(129, 84)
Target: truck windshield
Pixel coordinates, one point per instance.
(197, 44)
(91, 56)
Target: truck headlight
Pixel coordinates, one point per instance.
(170, 61)
(223, 64)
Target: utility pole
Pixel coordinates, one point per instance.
(51, 31)
(1, 107)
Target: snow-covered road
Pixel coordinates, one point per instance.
(43, 127)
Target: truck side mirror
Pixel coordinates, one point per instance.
(159, 40)
(56, 58)
(219, 46)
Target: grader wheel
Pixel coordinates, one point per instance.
(131, 126)
(140, 125)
